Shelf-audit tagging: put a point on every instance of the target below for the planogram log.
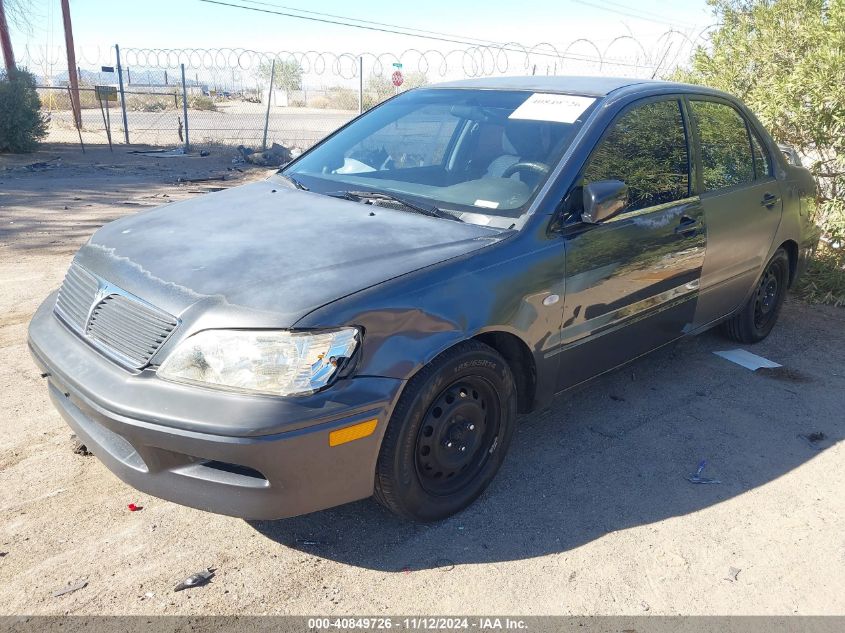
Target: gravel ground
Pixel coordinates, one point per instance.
(591, 513)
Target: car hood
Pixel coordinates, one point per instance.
(269, 249)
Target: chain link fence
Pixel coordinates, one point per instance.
(169, 97)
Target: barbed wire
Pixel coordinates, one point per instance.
(624, 54)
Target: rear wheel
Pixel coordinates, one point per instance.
(448, 434)
(759, 315)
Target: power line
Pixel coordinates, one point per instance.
(524, 50)
(644, 12)
(626, 13)
(370, 22)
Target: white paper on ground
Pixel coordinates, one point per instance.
(747, 359)
(542, 106)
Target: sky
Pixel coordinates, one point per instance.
(192, 23)
(99, 24)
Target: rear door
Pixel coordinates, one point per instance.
(632, 280)
(742, 204)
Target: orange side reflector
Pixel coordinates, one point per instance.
(354, 432)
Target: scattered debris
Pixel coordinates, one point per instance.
(2, 554)
(160, 153)
(696, 478)
(196, 580)
(134, 507)
(202, 178)
(813, 440)
(444, 564)
(44, 164)
(276, 156)
(733, 572)
(70, 588)
(206, 190)
(645, 605)
(617, 398)
(747, 359)
(204, 153)
(80, 449)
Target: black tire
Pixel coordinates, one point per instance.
(455, 417)
(760, 313)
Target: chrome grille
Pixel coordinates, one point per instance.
(122, 326)
(76, 296)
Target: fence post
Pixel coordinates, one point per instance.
(185, 109)
(360, 85)
(269, 97)
(122, 95)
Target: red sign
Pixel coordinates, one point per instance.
(397, 78)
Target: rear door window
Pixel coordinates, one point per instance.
(646, 148)
(726, 157)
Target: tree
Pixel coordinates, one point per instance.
(21, 123)
(786, 60)
(287, 76)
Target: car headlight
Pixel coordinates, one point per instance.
(275, 362)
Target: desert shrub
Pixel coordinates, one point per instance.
(198, 102)
(319, 102)
(144, 103)
(22, 124)
(824, 279)
(201, 102)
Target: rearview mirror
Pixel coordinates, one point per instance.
(603, 199)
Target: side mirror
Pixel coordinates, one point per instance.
(603, 199)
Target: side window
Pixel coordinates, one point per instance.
(762, 165)
(726, 158)
(646, 148)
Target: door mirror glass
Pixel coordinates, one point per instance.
(603, 199)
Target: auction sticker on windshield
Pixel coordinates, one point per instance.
(552, 107)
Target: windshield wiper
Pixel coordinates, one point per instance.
(293, 181)
(429, 210)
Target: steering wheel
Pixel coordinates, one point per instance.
(540, 168)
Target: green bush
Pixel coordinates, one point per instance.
(21, 123)
(785, 59)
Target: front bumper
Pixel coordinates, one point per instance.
(255, 457)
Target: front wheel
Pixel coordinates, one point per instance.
(448, 434)
(759, 315)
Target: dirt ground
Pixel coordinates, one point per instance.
(591, 514)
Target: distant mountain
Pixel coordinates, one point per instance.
(131, 76)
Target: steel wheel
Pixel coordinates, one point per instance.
(758, 315)
(448, 433)
(456, 435)
(766, 298)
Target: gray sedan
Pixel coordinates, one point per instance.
(371, 319)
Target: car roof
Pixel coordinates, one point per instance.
(588, 86)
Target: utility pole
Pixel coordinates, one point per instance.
(6, 43)
(71, 64)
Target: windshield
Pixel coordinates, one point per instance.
(479, 154)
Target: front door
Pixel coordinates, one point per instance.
(742, 205)
(632, 280)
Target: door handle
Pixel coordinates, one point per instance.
(688, 227)
(769, 200)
